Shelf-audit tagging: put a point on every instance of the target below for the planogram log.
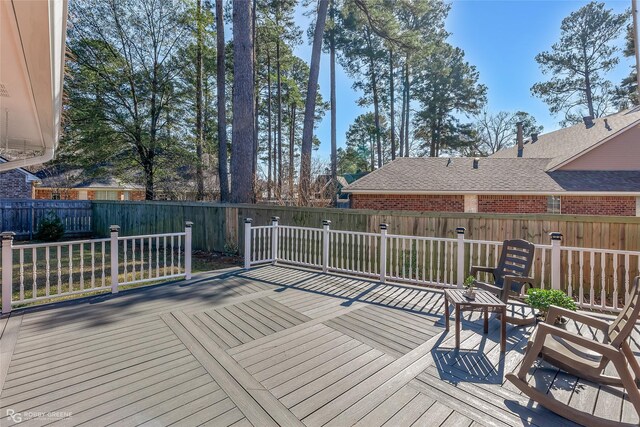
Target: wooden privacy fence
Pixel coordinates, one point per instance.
(23, 216)
(45, 271)
(596, 278)
(220, 226)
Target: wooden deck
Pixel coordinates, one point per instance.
(273, 346)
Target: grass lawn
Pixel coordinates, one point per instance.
(75, 267)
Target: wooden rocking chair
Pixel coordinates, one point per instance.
(510, 275)
(585, 358)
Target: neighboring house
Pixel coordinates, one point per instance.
(66, 186)
(17, 183)
(592, 168)
(325, 189)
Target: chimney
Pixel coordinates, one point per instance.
(588, 121)
(534, 137)
(520, 139)
(475, 162)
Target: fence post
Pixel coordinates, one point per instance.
(383, 252)
(461, 274)
(325, 245)
(247, 243)
(115, 231)
(187, 249)
(556, 239)
(7, 270)
(274, 239)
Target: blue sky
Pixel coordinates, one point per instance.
(501, 38)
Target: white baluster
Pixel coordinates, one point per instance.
(81, 266)
(47, 285)
(59, 268)
(592, 282)
(21, 276)
(615, 280)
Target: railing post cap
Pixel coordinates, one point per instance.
(114, 228)
(555, 235)
(188, 224)
(326, 222)
(460, 230)
(248, 220)
(275, 218)
(7, 235)
(383, 226)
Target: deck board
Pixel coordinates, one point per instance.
(277, 345)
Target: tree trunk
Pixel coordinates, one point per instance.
(269, 127)
(292, 149)
(279, 126)
(256, 94)
(310, 104)
(199, 127)
(392, 113)
(376, 102)
(223, 172)
(372, 151)
(332, 64)
(148, 180)
(407, 110)
(587, 84)
(242, 137)
(402, 112)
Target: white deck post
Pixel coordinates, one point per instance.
(247, 243)
(7, 270)
(383, 252)
(556, 239)
(326, 224)
(461, 274)
(274, 239)
(115, 231)
(187, 249)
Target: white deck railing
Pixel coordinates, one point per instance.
(44, 271)
(595, 278)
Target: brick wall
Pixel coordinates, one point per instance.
(409, 202)
(570, 205)
(512, 204)
(598, 205)
(14, 185)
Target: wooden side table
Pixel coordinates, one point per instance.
(484, 301)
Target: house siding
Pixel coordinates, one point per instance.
(14, 185)
(409, 202)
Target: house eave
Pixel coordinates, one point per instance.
(495, 193)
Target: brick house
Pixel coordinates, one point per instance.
(66, 186)
(17, 183)
(592, 168)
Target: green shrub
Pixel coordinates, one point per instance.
(469, 282)
(50, 228)
(542, 299)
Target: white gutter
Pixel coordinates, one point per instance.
(49, 152)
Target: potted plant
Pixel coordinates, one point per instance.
(542, 299)
(469, 284)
